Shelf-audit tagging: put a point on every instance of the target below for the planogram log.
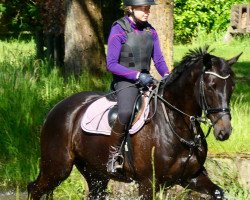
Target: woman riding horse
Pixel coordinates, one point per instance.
(131, 44)
(201, 83)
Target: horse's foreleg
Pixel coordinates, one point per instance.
(97, 186)
(201, 183)
(147, 189)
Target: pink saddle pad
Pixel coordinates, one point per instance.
(95, 119)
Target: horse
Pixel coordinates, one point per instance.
(197, 91)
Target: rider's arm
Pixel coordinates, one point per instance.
(157, 56)
(118, 37)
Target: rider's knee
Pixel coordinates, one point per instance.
(124, 116)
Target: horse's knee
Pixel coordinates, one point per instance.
(34, 192)
(202, 183)
(146, 190)
(97, 187)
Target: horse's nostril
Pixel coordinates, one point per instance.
(220, 136)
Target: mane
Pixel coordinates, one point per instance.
(192, 56)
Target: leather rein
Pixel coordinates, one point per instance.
(196, 142)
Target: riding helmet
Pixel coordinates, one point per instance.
(139, 2)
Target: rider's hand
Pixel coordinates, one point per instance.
(145, 79)
(166, 78)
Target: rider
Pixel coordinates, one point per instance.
(131, 45)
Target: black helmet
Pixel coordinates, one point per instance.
(138, 2)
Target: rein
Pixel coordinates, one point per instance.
(205, 108)
(197, 141)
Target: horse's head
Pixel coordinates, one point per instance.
(215, 89)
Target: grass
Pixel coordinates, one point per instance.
(29, 88)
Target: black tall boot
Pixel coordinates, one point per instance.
(116, 159)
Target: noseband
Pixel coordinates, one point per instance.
(203, 103)
(205, 108)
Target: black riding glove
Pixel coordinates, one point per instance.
(145, 79)
(166, 78)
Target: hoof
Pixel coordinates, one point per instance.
(219, 194)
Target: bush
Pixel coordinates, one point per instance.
(192, 17)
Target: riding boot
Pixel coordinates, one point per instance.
(116, 159)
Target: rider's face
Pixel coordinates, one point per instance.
(141, 12)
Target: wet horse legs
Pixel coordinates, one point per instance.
(203, 184)
(97, 186)
(49, 177)
(146, 189)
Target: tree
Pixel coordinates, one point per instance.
(50, 32)
(162, 18)
(84, 45)
(17, 16)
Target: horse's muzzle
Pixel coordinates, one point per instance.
(223, 128)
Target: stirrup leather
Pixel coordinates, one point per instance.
(116, 160)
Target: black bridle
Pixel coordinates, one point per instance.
(203, 102)
(206, 109)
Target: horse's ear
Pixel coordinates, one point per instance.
(207, 61)
(234, 59)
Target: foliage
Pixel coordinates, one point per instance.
(22, 15)
(192, 17)
(110, 17)
(29, 88)
(52, 13)
(19, 15)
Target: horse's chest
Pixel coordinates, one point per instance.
(181, 166)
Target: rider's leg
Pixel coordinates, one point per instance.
(115, 156)
(126, 99)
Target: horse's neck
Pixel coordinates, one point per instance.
(181, 94)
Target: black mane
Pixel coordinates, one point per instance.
(192, 56)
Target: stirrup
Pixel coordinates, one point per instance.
(115, 161)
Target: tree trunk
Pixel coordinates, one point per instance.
(39, 40)
(50, 31)
(84, 46)
(162, 19)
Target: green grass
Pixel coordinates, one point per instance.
(29, 88)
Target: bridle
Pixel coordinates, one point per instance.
(206, 109)
(203, 102)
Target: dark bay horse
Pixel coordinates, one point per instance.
(202, 83)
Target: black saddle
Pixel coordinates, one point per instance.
(112, 115)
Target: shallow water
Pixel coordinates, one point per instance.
(12, 195)
(237, 166)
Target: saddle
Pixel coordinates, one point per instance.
(101, 114)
